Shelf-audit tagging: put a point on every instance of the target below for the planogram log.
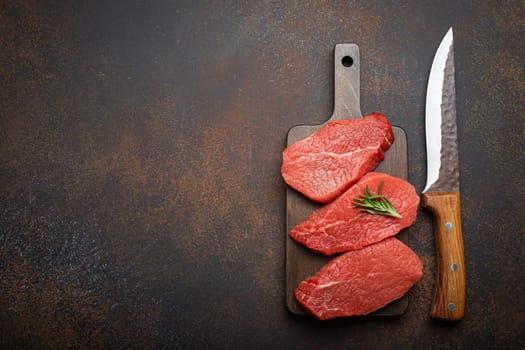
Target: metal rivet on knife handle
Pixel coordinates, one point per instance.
(454, 267)
(448, 226)
(451, 306)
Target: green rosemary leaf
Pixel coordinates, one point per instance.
(376, 204)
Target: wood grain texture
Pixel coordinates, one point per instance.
(449, 299)
(347, 102)
(300, 261)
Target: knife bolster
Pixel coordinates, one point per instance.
(449, 298)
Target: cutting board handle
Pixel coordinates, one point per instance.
(346, 82)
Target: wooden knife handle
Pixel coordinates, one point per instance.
(449, 299)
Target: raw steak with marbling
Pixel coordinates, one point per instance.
(360, 282)
(340, 226)
(329, 161)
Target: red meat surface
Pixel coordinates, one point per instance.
(329, 161)
(360, 282)
(340, 226)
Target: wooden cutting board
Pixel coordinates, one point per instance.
(300, 261)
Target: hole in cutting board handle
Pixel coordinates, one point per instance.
(347, 61)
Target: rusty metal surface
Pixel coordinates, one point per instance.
(141, 204)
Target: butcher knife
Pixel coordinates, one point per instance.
(441, 194)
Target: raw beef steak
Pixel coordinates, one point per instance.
(326, 163)
(362, 281)
(340, 226)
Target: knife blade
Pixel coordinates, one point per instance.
(442, 193)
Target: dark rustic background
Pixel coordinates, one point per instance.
(141, 203)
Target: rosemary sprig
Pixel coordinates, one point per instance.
(376, 204)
